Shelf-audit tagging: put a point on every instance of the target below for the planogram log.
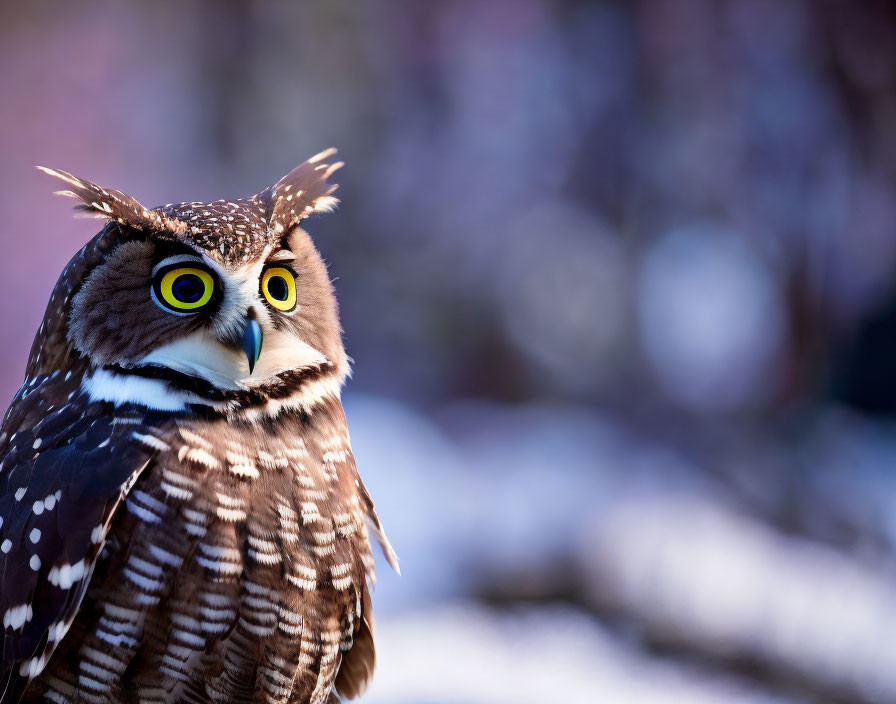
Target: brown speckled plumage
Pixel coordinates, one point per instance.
(237, 230)
(166, 538)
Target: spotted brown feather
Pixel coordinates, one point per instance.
(64, 472)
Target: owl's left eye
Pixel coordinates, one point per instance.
(278, 285)
(184, 289)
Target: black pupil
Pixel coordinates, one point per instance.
(278, 288)
(188, 288)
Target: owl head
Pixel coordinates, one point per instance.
(228, 301)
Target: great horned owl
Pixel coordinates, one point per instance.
(182, 519)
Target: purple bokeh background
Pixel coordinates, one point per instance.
(617, 280)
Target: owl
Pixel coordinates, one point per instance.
(181, 518)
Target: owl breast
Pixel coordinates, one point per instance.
(235, 572)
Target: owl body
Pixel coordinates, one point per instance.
(183, 520)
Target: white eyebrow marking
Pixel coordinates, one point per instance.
(177, 259)
(284, 255)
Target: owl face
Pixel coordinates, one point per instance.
(157, 303)
(231, 295)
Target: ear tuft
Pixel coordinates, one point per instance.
(100, 202)
(303, 191)
(320, 156)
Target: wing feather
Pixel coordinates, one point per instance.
(63, 476)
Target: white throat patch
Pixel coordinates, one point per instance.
(120, 389)
(157, 394)
(201, 355)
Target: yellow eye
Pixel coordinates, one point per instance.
(185, 288)
(279, 288)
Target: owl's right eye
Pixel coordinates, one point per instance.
(183, 289)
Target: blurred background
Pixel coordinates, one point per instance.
(618, 281)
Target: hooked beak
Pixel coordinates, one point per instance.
(252, 342)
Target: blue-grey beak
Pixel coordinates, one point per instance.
(252, 342)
